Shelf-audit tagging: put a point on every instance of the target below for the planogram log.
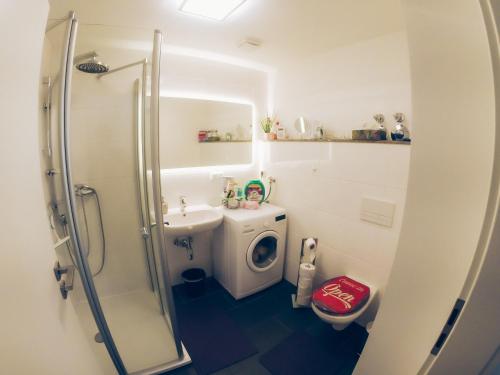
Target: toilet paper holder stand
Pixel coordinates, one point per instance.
(302, 251)
(294, 295)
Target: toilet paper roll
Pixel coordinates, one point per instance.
(304, 292)
(307, 270)
(305, 283)
(310, 244)
(309, 250)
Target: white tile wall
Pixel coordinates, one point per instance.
(323, 199)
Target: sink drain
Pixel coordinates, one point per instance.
(98, 338)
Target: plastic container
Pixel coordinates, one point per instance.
(194, 280)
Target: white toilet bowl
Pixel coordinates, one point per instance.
(341, 321)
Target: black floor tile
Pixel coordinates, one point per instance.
(298, 319)
(264, 306)
(325, 334)
(181, 296)
(250, 366)
(302, 354)
(186, 370)
(350, 361)
(352, 339)
(355, 337)
(267, 334)
(224, 371)
(214, 298)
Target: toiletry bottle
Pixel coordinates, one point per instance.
(164, 205)
(280, 131)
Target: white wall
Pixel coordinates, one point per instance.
(449, 182)
(40, 331)
(343, 88)
(322, 184)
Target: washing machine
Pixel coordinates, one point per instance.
(249, 249)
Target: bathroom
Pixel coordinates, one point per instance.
(290, 148)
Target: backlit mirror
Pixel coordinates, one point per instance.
(200, 133)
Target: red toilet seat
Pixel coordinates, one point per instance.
(341, 296)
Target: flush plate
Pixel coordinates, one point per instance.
(378, 211)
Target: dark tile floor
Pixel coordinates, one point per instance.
(268, 318)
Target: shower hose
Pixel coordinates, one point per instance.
(87, 235)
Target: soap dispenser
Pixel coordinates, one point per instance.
(164, 205)
(400, 132)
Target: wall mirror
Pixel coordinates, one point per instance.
(201, 133)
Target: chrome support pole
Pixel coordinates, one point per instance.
(69, 194)
(155, 166)
(140, 62)
(140, 85)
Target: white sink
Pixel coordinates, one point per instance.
(194, 220)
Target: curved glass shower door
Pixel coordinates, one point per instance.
(112, 196)
(108, 121)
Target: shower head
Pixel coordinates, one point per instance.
(82, 190)
(92, 66)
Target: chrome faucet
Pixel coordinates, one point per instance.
(183, 203)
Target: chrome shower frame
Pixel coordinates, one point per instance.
(142, 62)
(69, 194)
(64, 124)
(155, 167)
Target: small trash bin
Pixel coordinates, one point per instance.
(194, 280)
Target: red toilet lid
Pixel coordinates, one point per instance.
(341, 295)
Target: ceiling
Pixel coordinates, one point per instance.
(288, 29)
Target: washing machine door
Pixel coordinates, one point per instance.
(262, 254)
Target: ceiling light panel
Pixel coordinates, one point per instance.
(214, 9)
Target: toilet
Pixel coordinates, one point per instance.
(339, 301)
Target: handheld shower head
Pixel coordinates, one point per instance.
(82, 190)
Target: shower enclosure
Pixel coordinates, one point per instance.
(104, 191)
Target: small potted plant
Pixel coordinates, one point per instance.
(267, 125)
